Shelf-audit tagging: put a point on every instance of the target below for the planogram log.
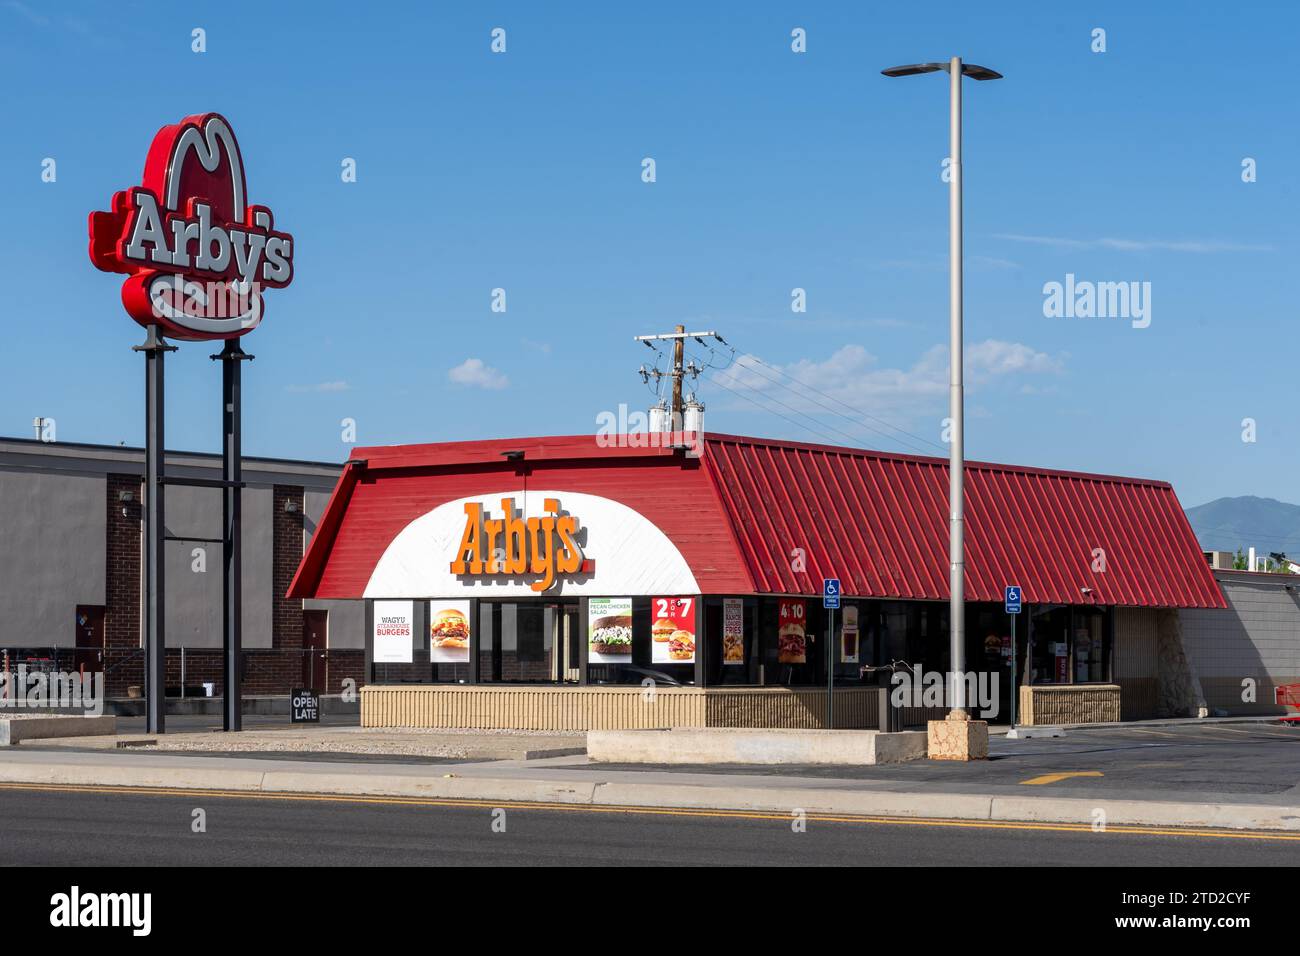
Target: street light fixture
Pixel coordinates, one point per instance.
(956, 548)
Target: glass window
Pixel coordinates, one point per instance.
(738, 666)
(1070, 645)
(790, 671)
(421, 670)
(642, 666)
(1090, 646)
(527, 642)
(1051, 644)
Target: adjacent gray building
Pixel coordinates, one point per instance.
(70, 559)
(1239, 657)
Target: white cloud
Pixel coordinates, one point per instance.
(474, 373)
(853, 376)
(1137, 245)
(988, 359)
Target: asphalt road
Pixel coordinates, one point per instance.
(101, 827)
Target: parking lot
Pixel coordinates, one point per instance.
(1248, 761)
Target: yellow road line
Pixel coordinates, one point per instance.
(1130, 829)
(1056, 777)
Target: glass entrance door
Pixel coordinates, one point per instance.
(528, 642)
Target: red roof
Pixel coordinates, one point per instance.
(879, 522)
(741, 513)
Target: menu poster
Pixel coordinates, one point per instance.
(394, 630)
(733, 631)
(609, 633)
(792, 641)
(672, 630)
(449, 632)
(849, 635)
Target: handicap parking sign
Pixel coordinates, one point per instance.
(831, 593)
(1013, 598)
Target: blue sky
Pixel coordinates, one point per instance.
(774, 171)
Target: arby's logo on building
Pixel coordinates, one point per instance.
(546, 546)
(196, 253)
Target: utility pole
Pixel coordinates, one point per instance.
(679, 350)
(680, 369)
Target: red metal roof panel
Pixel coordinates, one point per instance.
(879, 522)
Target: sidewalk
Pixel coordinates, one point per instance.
(352, 740)
(1131, 790)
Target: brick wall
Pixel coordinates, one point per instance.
(272, 671)
(265, 671)
(344, 665)
(122, 615)
(287, 538)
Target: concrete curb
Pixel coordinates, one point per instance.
(778, 800)
(45, 726)
(722, 745)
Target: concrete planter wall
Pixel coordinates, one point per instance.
(1044, 704)
(617, 708)
(694, 745)
(15, 730)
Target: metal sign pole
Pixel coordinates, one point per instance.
(830, 676)
(155, 660)
(1014, 690)
(232, 538)
(830, 602)
(1012, 602)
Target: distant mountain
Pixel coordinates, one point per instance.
(1227, 524)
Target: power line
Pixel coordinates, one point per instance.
(799, 382)
(714, 380)
(874, 431)
(856, 411)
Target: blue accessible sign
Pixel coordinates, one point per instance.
(1013, 598)
(831, 593)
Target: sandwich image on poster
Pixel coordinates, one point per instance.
(449, 632)
(672, 630)
(792, 641)
(609, 636)
(733, 631)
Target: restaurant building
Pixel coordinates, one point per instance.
(660, 580)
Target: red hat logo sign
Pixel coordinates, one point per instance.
(196, 255)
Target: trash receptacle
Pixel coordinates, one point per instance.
(889, 718)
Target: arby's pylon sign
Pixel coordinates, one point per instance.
(197, 255)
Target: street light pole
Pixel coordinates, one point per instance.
(956, 407)
(956, 70)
